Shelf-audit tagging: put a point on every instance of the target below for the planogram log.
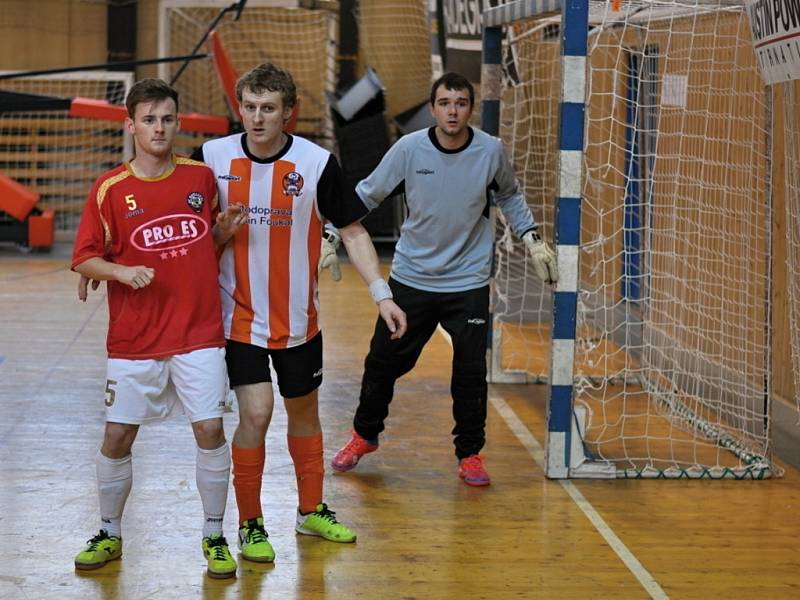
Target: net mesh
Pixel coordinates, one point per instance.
(673, 339)
(303, 41)
(394, 41)
(56, 155)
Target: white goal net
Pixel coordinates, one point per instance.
(60, 156)
(673, 335)
(301, 40)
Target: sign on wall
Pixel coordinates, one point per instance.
(775, 25)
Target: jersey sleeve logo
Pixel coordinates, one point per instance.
(292, 184)
(169, 232)
(195, 200)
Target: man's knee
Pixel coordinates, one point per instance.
(256, 417)
(470, 374)
(209, 433)
(118, 439)
(384, 369)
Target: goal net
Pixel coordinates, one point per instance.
(60, 156)
(672, 331)
(301, 40)
(394, 40)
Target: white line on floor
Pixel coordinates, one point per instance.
(534, 448)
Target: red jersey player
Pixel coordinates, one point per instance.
(147, 231)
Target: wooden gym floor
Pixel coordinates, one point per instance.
(422, 533)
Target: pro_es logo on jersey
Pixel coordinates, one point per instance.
(169, 232)
(195, 200)
(292, 183)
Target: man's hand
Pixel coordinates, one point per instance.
(328, 259)
(229, 221)
(544, 260)
(394, 317)
(136, 277)
(83, 287)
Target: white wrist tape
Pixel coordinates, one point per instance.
(380, 290)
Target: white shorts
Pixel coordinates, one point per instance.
(142, 391)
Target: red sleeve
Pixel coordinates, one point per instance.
(90, 240)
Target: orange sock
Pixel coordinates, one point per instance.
(248, 468)
(306, 452)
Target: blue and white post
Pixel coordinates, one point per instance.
(560, 445)
(564, 447)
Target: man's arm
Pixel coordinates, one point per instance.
(364, 258)
(511, 201)
(100, 269)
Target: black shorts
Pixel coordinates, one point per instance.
(299, 369)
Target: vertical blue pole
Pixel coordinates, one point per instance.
(491, 79)
(574, 31)
(631, 255)
(435, 32)
(491, 89)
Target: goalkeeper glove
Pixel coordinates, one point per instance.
(328, 258)
(544, 260)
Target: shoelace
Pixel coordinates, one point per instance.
(103, 535)
(218, 546)
(473, 463)
(327, 514)
(354, 441)
(256, 534)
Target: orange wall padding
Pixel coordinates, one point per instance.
(90, 108)
(16, 199)
(42, 229)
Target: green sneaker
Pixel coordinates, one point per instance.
(253, 541)
(99, 550)
(322, 522)
(220, 562)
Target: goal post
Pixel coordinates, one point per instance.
(641, 134)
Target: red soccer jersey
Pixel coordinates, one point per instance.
(163, 223)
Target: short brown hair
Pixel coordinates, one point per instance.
(453, 81)
(149, 90)
(267, 77)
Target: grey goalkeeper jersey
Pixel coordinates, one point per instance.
(446, 240)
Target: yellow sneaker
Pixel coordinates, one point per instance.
(322, 522)
(253, 541)
(99, 550)
(220, 562)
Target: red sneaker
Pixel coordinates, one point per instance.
(348, 457)
(472, 471)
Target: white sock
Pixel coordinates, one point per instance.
(213, 472)
(114, 481)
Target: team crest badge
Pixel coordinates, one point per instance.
(195, 200)
(292, 184)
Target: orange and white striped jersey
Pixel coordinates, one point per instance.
(268, 272)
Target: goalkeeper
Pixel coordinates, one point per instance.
(441, 268)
